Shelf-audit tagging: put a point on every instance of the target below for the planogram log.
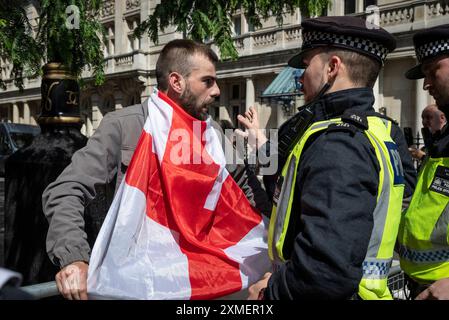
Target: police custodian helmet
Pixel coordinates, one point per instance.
(429, 43)
(350, 33)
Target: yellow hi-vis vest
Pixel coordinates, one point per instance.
(423, 233)
(386, 215)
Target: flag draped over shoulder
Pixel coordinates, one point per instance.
(179, 226)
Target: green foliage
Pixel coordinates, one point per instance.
(17, 46)
(77, 45)
(200, 19)
(74, 47)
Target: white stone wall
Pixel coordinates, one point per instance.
(263, 54)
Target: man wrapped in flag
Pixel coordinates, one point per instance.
(179, 226)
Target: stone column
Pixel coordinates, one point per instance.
(15, 113)
(9, 114)
(359, 6)
(34, 112)
(279, 113)
(224, 101)
(378, 92)
(121, 37)
(146, 8)
(97, 116)
(250, 94)
(135, 40)
(89, 126)
(26, 113)
(337, 8)
(421, 102)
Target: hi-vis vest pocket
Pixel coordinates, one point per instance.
(440, 182)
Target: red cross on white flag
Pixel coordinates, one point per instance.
(179, 226)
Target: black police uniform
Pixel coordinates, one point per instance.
(429, 44)
(338, 177)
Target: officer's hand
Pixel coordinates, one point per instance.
(256, 138)
(72, 281)
(439, 290)
(417, 153)
(254, 290)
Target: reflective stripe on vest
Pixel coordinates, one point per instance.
(386, 215)
(376, 268)
(424, 230)
(280, 215)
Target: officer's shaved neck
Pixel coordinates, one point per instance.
(337, 72)
(361, 69)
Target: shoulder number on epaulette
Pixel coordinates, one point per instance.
(343, 127)
(359, 120)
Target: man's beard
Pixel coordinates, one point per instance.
(442, 100)
(190, 103)
(440, 93)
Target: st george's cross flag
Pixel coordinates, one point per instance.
(179, 226)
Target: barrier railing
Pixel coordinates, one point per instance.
(396, 283)
(42, 290)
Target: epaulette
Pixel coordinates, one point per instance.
(380, 115)
(351, 122)
(358, 119)
(343, 126)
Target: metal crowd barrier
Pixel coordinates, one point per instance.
(42, 290)
(396, 283)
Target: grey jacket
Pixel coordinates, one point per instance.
(94, 176)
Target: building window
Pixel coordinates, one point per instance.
(367, 3)
(216, 115)
(108, 104)
(250, 27)
(350, 6)
(3, 114)
(110, 42)
(237, 26)
(236, 91)
(133, 44)
(134, 99)
(235, 113)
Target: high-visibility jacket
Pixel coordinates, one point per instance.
(386, 215)
(424, 233)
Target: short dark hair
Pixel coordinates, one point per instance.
(175, 57)
(362, 70)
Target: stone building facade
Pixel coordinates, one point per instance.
(263, 53)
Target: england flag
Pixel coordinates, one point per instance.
(179, 226)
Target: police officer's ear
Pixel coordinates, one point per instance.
(176, 82)
(333, 68)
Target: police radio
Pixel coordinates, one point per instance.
(294, 129)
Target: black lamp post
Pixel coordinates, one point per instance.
(29, 170)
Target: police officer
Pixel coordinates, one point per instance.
(338, 200)
(424, 233)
